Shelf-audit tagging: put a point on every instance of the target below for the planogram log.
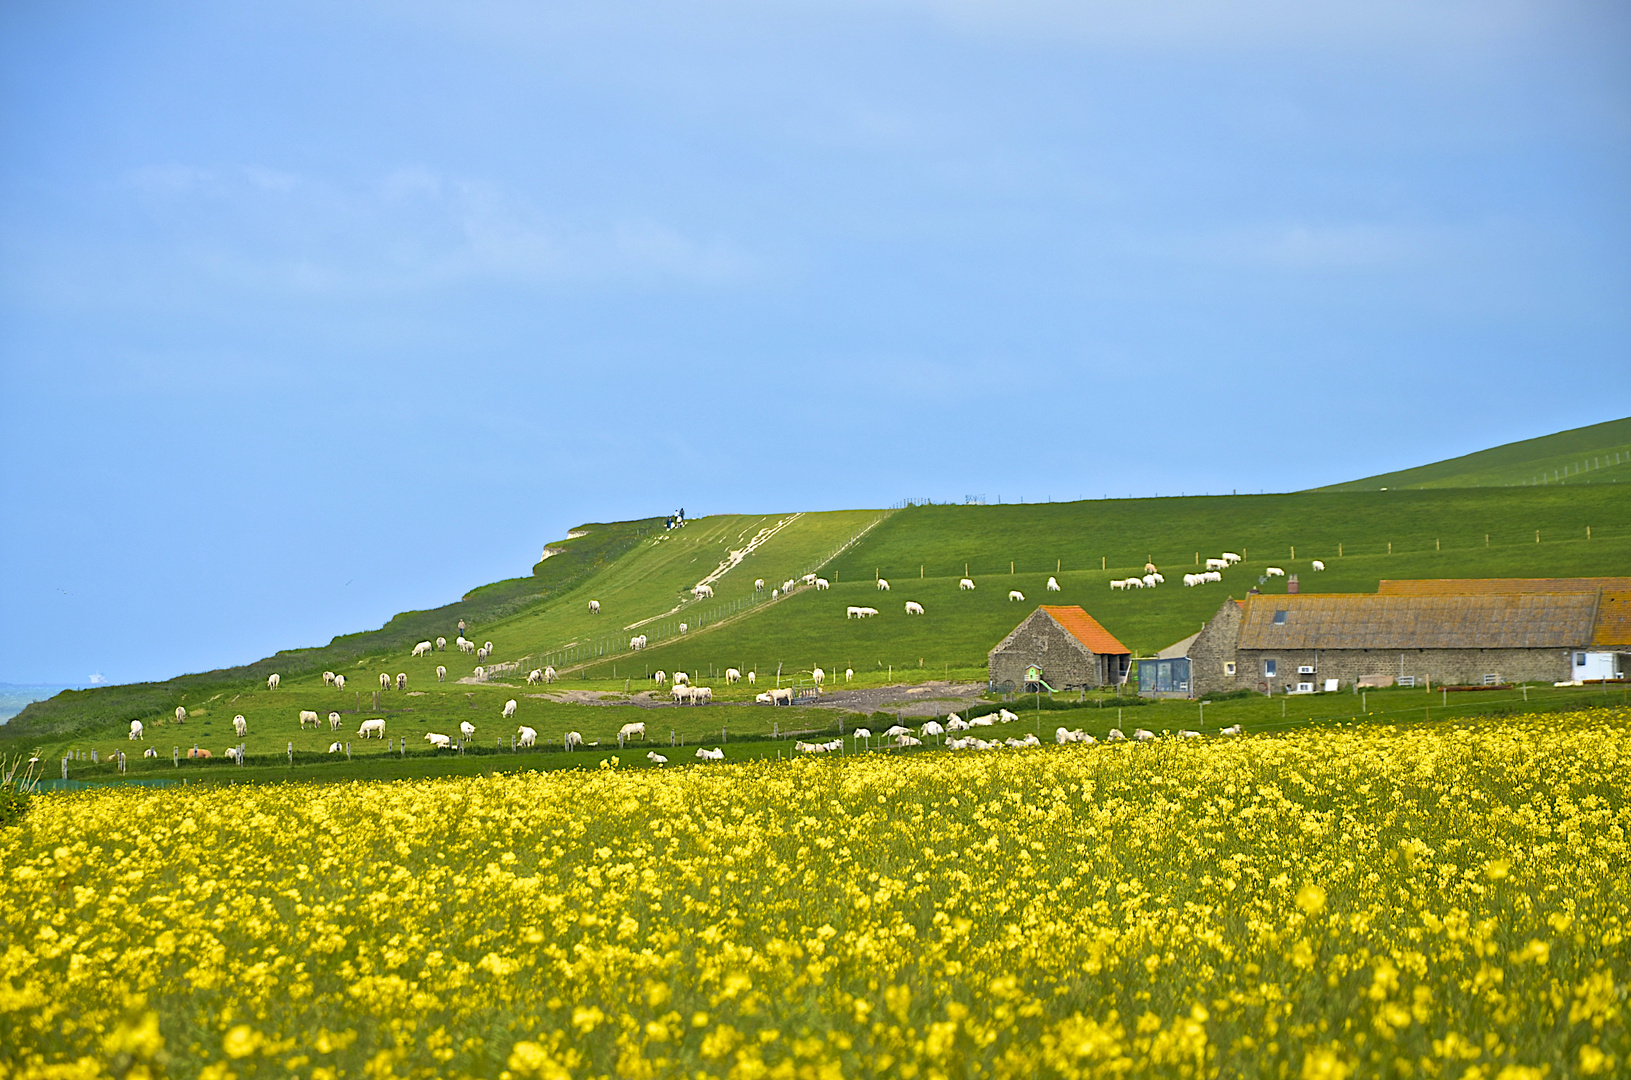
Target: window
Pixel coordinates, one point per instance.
(1579, 659)
(1229, 668)
(1269, 668)
(1280, 617)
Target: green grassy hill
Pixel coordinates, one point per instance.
(642, 577)
(1599, 454)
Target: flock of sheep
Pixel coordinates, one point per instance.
(900, 737)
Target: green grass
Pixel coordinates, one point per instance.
(1579, 456)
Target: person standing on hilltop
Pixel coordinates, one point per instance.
(461, 628)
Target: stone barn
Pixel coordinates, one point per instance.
(1058, 647)
(1441, 632)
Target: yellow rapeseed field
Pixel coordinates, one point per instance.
(1414, 902)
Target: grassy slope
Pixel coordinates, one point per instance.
(1570, 454)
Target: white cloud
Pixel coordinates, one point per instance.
(97, 679)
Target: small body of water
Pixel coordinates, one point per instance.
(15, 696)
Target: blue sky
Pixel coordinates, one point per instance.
(310, 313)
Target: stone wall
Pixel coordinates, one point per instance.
(1065, 662)
(1466, 667)
(1212, 652)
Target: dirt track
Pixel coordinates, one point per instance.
(934, 698)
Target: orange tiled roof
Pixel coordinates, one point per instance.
(1498, 586)
(1084, 628)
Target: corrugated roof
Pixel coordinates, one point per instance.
(1613, 629)
(1493, 621)
(1488, 586)
(1084, 628)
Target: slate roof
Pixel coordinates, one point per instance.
(1084, 628)
(1506, 620)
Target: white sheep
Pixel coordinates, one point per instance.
(1217, 564)
(240, 726)
(534, 677)
(571, 739)
(1317, 565)
(1273, 571)
(861, 733)
(1115, 735)
(913, 607)
(956, 723)
(1121, 583)
(328, 678)
(594, 607)
(528, 736)
(335, 747)
(852, 612)
(966, 584)
(895, 731)
(150, 752)
(983, 721)
(181, 715)
(684, 627)
(809, 579)
(1230, 557)
(1007, 717)
(334, 721)
(732, 676)
(656, 758)
(632, 730)
(235, 754)
(660, 678)
(1053, 584)
(441, 644)
(1186, 734)
(822, 583)
(421, 649)
(480, 674)
(1063, 736)
(710, 755)
(883, 585)
(1212, 575)
(440, 742)
(441, 673)
(374, 728)
(309, 717)
(782, 696)
(339, 682)
(1149, 568)
(753, 677)
(932, 728)
(1150, 581)
(481, 654)
(1233, 729)
(401, 680)
(384, 681)
(1143, 735)
(765, 698)
(637, 642)
(681, 678)
(467, 729)
(549, 674)
(700, 591)
(868, 612)
(1015, 594)
(907, 740)
(758, 584)
(272, 680)
(509, 709)
(136, 730)
(679, 693)
(775, 594)
(489, 647)
(701, 695)
(849, 673)
(818, 676)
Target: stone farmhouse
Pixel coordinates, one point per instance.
(1058, 647)
(1428, 632)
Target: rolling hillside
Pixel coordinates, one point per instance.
(1598, 454)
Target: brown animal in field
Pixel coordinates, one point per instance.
(197, 752)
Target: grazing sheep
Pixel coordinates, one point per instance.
(660, 678)
(441, 673)
(534, 677)
(638, 642)
(849, 673)
(710, 755)
(1273, 571)
(818, 676)
(629, 731)
(1015, 594)
(571, 739)
(701, 695)
(481, 654)
(684, 627)
(335, 747)
(235, 754)
(883, 585)
(700, 591)
(809, 579)
(150, 752)
(328, 678)
(966, 584)
(1053, 584)
(136, 730)
(594, 607)
(679, 693)
(384, 681)
(181, 715)
(1121, 583)
(1230, 557)
(861, 733)
(752, 678)
(775, 594)
(421, 649)
(932, 728)
(822, 583)
(339, 682)
(240, 726)
(868, 612)
(195, 752)
(441, 644)
(467, 729)
(308, 717)
(371, 729)
(1317, 565)
(1217, 564)
(401, 680)
(732, 676)
(549, 674)
(852, 612)
(272, 680)
(528, 736)
(913, 607)
(765, 698)
(1149, 568)
(1114, 735)
(509, 708)
(656, 758)
(480, 674)
(783, 696)
(1150, 581)
(466, 647)
(440, 742)
(334, 721)
(1233, 729)
(758, 584)
(489, 647)
(1143, 735)
(1184, 734)
(681, 678)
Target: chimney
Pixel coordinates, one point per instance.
(1291, 584)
